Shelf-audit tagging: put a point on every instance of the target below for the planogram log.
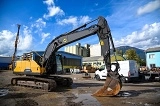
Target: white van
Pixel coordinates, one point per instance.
(128, 70)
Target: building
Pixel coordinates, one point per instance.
(70, 61)
(84, 51)
(97, 61)
(153, 57)
(95, 50)
(5, 62)
(78, 50)
(91, 54)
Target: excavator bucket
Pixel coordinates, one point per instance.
(111, 87)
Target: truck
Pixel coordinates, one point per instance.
(152, 74)
(128, 71)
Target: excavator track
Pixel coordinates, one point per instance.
(38, 83)
(62, 81)
(47, 84)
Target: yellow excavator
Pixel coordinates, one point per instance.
(41, 70)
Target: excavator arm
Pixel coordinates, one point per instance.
(101, 29)
(113, 84)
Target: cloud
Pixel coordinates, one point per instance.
(44, 36)
(25, 39)
(74, 21)
(71, 20)
(84, 19)
(7, 38)
(39, 25)
(149, 7)
(147, 37)
(7, 41)
(52, 9)
(48, 2)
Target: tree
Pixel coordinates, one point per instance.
(132, 55)
(143, 62)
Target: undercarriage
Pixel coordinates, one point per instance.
(48, 84)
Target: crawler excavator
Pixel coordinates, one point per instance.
(41, 72)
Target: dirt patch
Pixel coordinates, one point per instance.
(26, 102)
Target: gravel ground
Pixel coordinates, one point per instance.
(80, 94)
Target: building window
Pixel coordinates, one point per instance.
(152, 65)
(151, 56)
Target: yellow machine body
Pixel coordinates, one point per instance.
(28, 67)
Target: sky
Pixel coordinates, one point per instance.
(134, 23)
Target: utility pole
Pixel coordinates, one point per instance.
(15, 48)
